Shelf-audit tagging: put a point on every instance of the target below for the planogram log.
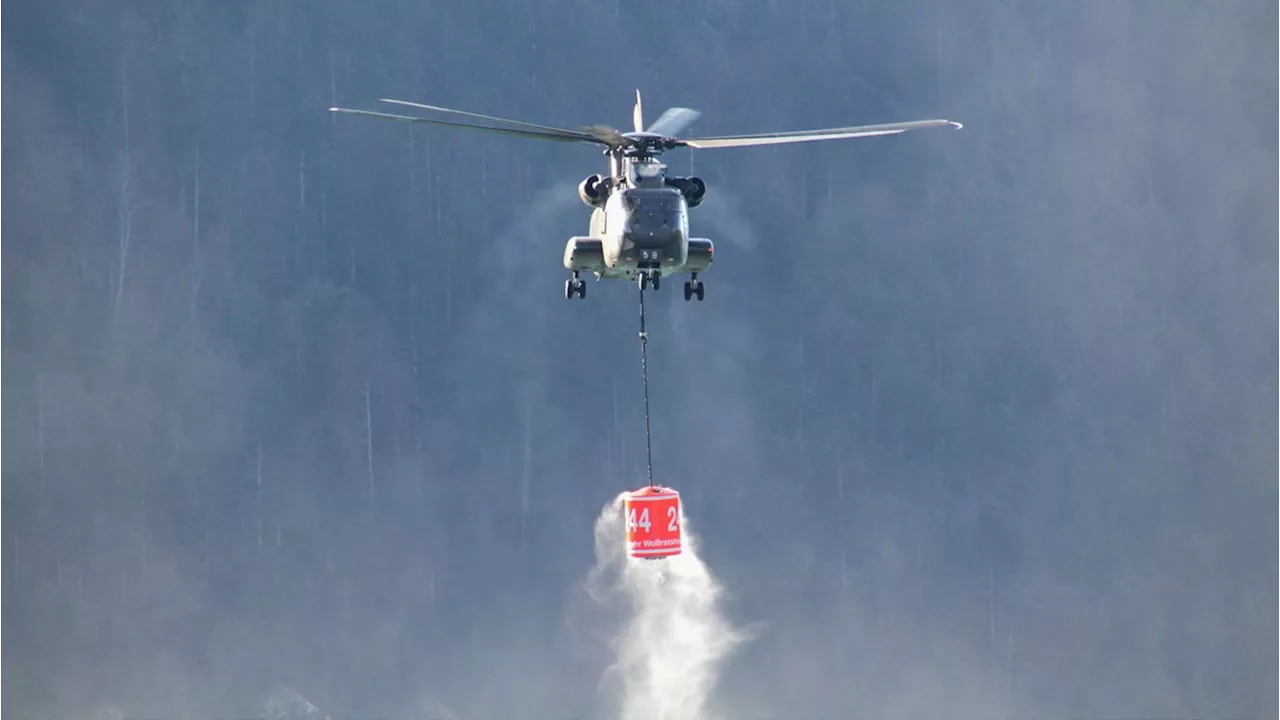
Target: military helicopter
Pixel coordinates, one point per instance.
(639, 221)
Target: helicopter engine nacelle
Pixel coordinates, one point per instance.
(695, 192)
(693, 189)
(593, 191)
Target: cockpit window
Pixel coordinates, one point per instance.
(651, 199)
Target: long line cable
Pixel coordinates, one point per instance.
(644, 373)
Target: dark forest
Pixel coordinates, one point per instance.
(972, 424)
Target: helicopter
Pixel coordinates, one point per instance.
(639, 227)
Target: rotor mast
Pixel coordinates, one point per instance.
(644, 149)
(624, 150)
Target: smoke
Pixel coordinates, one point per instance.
(672, 638)
(289, 704)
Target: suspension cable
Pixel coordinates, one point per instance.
(644, 373)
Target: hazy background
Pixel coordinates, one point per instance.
(973, 423)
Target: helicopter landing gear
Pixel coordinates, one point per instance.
(575, 286)
(694, 287)
(647, 278)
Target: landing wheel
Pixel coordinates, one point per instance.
(694, 287)
(642, 280)
(656, 279)
(574, 286)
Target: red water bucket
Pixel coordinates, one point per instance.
(652, 516)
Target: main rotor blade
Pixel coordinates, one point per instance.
(502, 131)
(491, 118)
(812, 135)
(608, 136)
(673, 122)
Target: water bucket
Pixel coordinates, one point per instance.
(652, 518)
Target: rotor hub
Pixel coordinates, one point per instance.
(644, 144)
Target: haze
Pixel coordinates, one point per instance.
(972, 424)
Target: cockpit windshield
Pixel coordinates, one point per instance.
(660, 199)
(653, 214)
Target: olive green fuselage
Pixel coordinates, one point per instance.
(638, 229)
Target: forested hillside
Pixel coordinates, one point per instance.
(971, 423)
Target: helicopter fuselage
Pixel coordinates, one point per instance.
(640, 229)
(639, 226)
